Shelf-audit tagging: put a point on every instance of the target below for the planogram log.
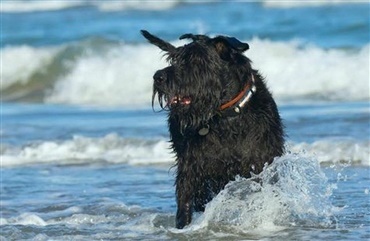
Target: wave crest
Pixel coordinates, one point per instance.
(115, 149)
(51, 5)
(101, 72)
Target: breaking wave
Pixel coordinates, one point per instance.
(37, 5)
(107, 73)
(115, 149)
(295, 4)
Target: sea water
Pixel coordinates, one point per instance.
(84, 157)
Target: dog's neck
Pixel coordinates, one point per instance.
(234, 106)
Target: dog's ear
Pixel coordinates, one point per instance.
(224, 43)
(165, 46)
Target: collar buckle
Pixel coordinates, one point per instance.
(235, 106)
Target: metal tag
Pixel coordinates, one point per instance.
(204, 130)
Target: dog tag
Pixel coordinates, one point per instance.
(204, 130)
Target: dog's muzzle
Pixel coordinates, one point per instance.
(160, 80)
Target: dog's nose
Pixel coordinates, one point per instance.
(159, 76)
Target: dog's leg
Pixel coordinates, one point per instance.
(202, 196)
(184, 194)
(183, 216)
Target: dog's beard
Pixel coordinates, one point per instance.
(189, 113)
(169, 102)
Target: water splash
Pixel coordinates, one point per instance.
(293, 191)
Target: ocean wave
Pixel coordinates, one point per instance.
(295, 4)
(299, 197)
(115, 149)
(22, 62)
(108, 73)
(293, 72)
(83, 150)
(53, 5)
(112, 5)
(328, 151)
(32, 6)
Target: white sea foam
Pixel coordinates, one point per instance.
(70, 216)
(293, 191)
(19, 63)
(38, 5)
(110, 5)
(25, 219)
(110, 148)
(125, 222)
(115, 149)
(138, 4)
(123, 75)
(309, 3)
(336, 151)
(294, 72)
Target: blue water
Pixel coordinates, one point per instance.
(84, 157)
(318, 25)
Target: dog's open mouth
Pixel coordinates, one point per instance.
(180, 100)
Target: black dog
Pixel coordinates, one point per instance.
(222, 119)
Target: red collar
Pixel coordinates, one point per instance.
(242, 98)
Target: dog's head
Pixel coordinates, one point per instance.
(201, 75)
